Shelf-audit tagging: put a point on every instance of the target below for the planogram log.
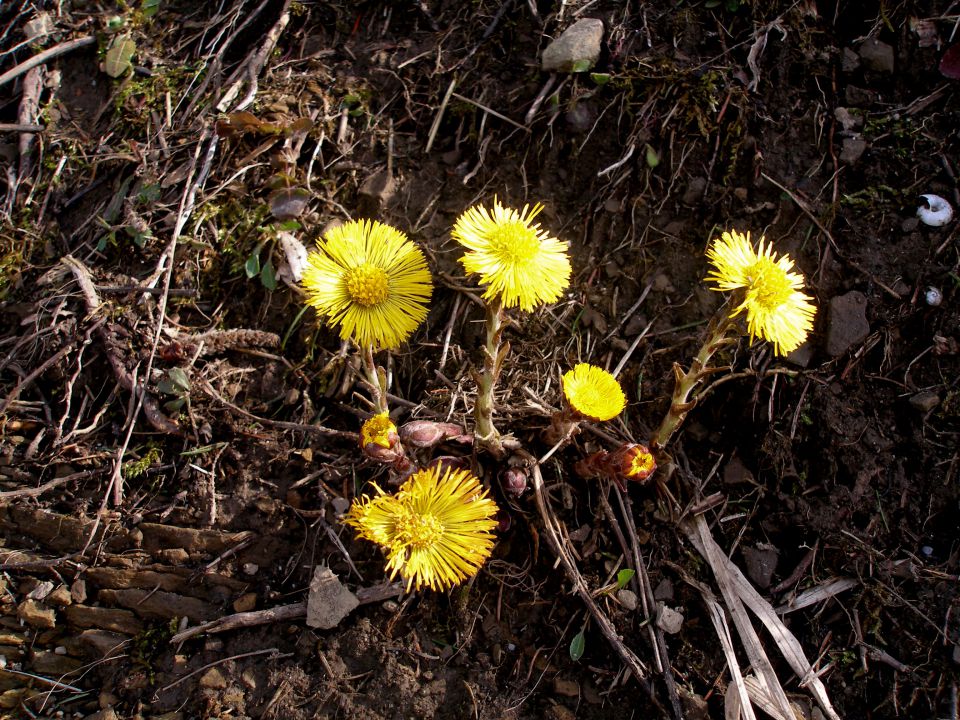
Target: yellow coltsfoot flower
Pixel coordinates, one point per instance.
(776, 309)
(518, 262)
(371, 280)
(593, 392)
(435, 529)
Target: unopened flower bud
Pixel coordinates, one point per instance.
(514, 481)
(633, 462)
(628, 462)
(379, 439)
(426, 433)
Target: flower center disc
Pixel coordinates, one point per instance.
(367, 285)
(420, 531)
(770, 284)
(515, 242)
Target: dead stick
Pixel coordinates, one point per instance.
(41, 58)
(49, 485)
(282, 613)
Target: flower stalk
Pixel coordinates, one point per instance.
(493, 355)
(686, 382)
(376, 378)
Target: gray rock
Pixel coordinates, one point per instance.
(761, 562)
(802, 356)
(694, 192)
(925, 401)
(858, 96)
(850, 61)
(581, 117)
(329, 601)
(852, 149)
(846, 322)
(576, 50)
(849, 120)
(669, 620)
(877, 56)
(627, 598)
(664, 590)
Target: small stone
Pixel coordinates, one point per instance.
(566, 688)
(846, 322)
(736, 473)
(340, 505)
(627, 598)
(925, 401)
(78, 590)
(102, 643)
(245, 603)
(36, 614)
(581, 117)
(664, 590)
(858, 96)
(175, 556)
(391, 606)
(576, 50)
(329, 601)
(802, 356)
(249, 679)
(849, 120)
(956, 654)
(849, 61)
(877, 56)
(376, 192)
(669, 620)
(41, 590)
(852, 149)
(250, 568)
(213, 679)
(49, 663)
(60, 596)
(107, 700)
(761, 563)
(694, 192)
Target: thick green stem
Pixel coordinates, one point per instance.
(376, 379)
(486, 433)
(684, 399)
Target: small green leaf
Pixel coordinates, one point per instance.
(252, 266)
(600, 78)
(653, 158)
(625, 576)
(581, 65)
(149, 194)
(268, 276)
(149, 7)
(577, 646)
(119, 57)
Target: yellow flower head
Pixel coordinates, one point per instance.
(776, 309)
(636, 462)
(378, 430)
(517, 261)
(369, 279)
(435, 529)
(593, 392)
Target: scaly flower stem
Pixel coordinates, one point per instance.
(376, 378)
(486, 433)
(684, 399)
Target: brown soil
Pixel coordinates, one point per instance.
(838, 463)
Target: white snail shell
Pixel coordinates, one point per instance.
(938, 214)
(933, 296)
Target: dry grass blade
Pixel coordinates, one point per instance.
(738, 591)
(636, 666)
(814, 595)
(699, 533)
(738, 699)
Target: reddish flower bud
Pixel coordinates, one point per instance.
(449, 462)
(426, 433)
(379, 440)
(628, 462)
(514, 481)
